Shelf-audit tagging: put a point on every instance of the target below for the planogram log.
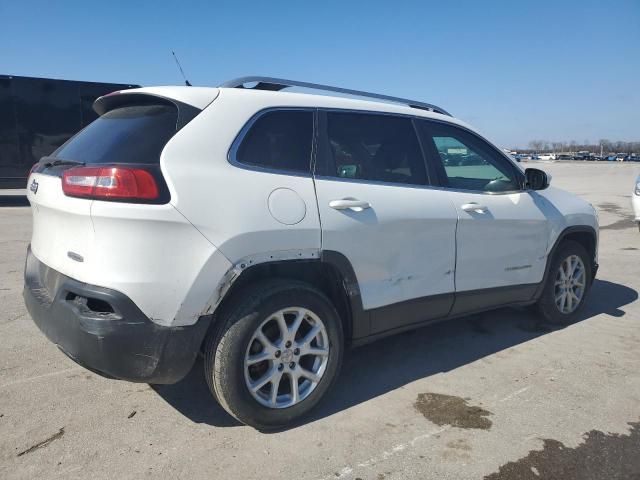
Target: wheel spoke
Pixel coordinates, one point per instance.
(266, 343)
(295, 391)
(259, 357)
(311, 334)
(275, 385)
(569, 302)
(282, 325)
(308, 350)
(310, 375)
(572, 266)
(575, 297)
(563, 275)
(296, 323)
(576, 275)
(262, 381)
(563, 301)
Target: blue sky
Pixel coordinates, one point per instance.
(517, 70)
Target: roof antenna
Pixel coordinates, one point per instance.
(186, 82)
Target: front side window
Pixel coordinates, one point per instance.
(281, 140)
(467, 162)
(374, 147)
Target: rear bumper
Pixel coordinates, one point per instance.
(104, 331)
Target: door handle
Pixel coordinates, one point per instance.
(349, 203)
(474, 207)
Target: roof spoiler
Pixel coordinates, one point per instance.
(122, 98)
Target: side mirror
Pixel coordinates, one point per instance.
(535, 179)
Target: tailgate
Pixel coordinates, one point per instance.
(62, 228)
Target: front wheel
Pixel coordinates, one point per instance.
(568, 284)
(276, 354)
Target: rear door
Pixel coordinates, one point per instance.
(502, 232)
(377, 209)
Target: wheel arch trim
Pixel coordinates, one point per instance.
(554, 248)
(358, 322)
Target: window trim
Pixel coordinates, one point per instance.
(235, 145)
(433, 158)
(318, 163)
(322, 170)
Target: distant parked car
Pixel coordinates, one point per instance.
(547, 156)
(564, 156)
(610, 158)
(621, 157)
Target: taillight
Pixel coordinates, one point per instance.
(106, 183)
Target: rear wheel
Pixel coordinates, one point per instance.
(568, 284)
(276, 354)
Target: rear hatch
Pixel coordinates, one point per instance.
(114, 159)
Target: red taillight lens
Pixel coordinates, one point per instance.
(106, 183)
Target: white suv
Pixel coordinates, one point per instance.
(635, 201)
(269, 230)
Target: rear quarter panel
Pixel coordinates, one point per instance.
(155, 256)
(228, 204)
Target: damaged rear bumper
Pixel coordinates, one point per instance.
(104, 331)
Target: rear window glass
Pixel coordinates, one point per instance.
(132, 134)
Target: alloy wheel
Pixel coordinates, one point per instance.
(570, 284)
(286, 357)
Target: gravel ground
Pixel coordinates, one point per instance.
(499, 395)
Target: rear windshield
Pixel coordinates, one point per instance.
(131, 134)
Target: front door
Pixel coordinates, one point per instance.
(502, 233)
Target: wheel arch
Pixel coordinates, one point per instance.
(586, 236)
(329, 271)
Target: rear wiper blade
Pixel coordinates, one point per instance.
(54, 163)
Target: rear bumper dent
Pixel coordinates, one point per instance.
(104, 331)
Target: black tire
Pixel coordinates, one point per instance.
(225, 349)
(546, 304)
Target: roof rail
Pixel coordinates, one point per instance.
(277, 84)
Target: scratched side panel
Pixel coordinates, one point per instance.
(401, 248)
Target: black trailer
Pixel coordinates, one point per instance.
(37, 115)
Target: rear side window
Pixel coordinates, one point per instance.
(130, 134)
(279, 140)
(374, 147)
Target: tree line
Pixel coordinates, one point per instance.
(604, 145)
